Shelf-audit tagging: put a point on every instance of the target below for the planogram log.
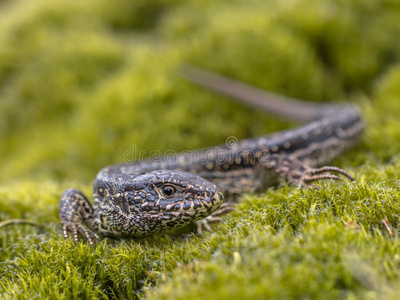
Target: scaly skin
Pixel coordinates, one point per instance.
(138, 204)
(135, 200)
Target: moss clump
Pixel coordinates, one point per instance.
(84, 84)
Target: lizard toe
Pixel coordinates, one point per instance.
(77, 229)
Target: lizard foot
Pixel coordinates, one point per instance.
(76, 228)
(214, 218)
(298, 173)
(306, 177)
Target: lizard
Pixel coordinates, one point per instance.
(137, 199)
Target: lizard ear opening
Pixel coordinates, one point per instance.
(125, 206)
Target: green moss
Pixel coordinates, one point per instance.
(84, 84)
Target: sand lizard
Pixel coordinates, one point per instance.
(139, 199)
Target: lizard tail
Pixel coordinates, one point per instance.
(286, 107)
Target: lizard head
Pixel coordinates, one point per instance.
(156, 201)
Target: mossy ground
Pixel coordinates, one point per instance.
(84, 84)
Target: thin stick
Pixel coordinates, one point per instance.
(386, 224)
(19, 221)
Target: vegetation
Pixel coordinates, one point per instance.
(84, 84)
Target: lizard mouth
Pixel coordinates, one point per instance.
(164, 217)
(205, 203)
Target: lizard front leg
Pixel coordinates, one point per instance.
(75, 212)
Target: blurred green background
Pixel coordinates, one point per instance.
(82, 82)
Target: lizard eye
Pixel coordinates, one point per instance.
(168, 190)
